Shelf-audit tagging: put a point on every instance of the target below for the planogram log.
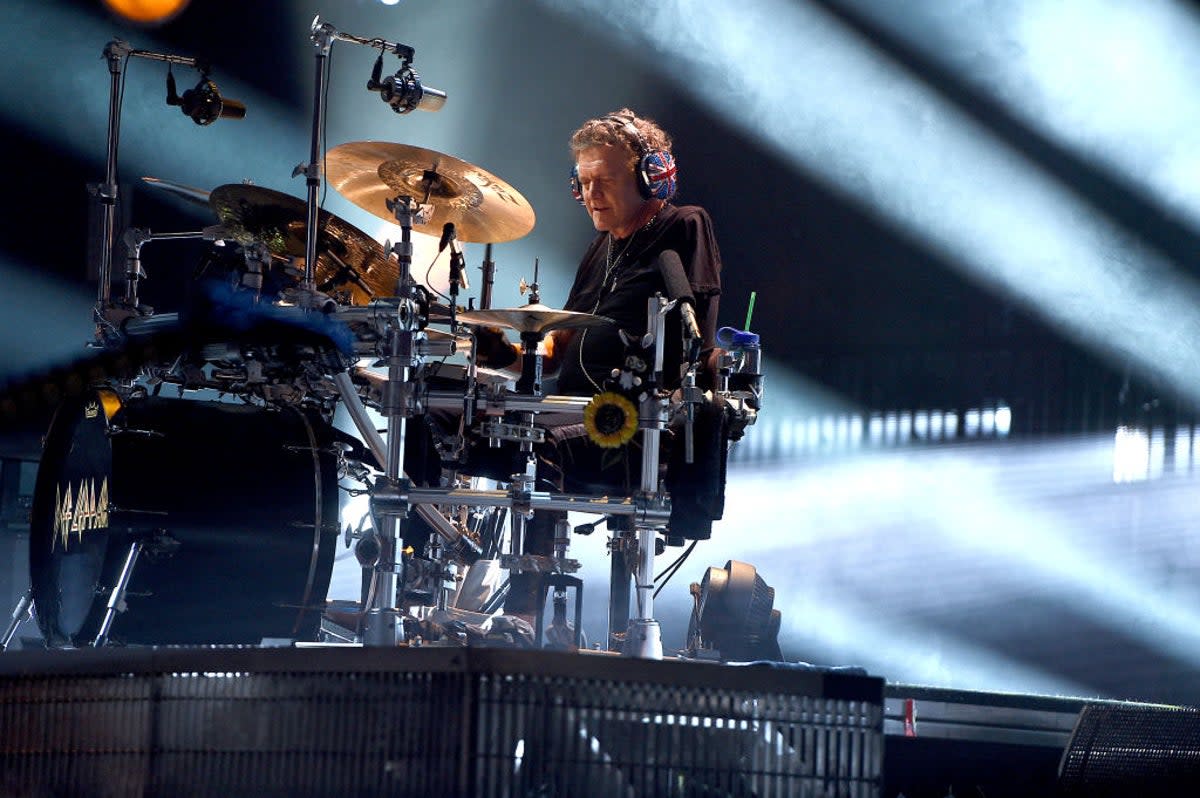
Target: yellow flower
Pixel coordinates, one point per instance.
(610, 420)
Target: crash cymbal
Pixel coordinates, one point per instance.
(533, 318)
(482, 206)
(348, 260)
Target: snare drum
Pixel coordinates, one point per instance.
(236, 506)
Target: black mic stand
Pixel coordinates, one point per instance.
(105, 315)
(323, 36)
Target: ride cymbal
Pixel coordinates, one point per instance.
(347, 259)
(482, 207)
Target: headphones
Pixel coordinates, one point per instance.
(655, 172)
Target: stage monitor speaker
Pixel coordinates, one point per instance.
(1122, 750)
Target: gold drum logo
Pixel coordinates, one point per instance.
(77, 511)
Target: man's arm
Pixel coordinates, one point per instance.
(494, 350)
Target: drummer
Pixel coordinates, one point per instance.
(625, 177)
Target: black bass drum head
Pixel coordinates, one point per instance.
(69, 533)
(236, 507)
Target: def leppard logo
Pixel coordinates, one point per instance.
(77, 512)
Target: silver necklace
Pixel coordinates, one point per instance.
(610, 269)
(611, 263)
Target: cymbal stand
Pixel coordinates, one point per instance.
(384, 626)
(525, 434)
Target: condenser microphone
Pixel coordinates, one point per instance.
(404, 92)
(204, 104)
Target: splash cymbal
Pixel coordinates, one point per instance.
(533, 319)
(482, 207)
(348, 260)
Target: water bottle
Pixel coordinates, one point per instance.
(741, 367)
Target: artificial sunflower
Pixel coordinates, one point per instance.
(610, 420)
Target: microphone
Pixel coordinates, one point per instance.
(403, 91)
(458, 272)
(670, 266)
(204, 104)
(447, 235)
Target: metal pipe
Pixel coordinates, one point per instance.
(117, 596)
(374, 441)
(569, 405)
(21, 613)
(643, 638)
(387, 502)
(114, 53)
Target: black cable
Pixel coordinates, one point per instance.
(499, 518)
(428, 284)
(675, 562)
(121, 102)
(495, 601)
(682, 559)
(325, 130)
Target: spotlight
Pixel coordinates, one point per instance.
(734, 617)
(146, 12)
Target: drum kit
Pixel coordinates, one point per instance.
(163, 520)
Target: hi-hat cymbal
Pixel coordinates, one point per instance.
(482, 206)
(347, 258)
(533, 318)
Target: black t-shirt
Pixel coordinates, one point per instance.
(616, 278)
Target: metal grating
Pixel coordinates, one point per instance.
(554, 736)
(428, 723)
(1120, 750)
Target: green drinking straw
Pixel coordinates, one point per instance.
(750, 310)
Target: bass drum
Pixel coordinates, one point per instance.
(237, 508)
